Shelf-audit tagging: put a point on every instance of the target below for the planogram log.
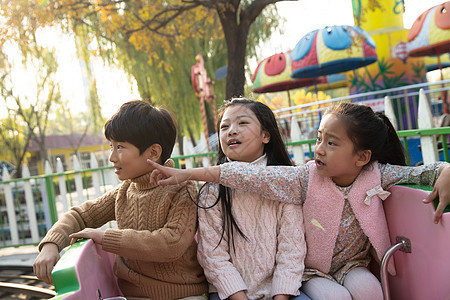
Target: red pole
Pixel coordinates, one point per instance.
(203, 89)
(204, 122)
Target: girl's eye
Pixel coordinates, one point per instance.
(119, 146)
(243, 122)
(331, 143)
(224, 127)
(319, 139)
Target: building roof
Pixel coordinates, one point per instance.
(69, 141)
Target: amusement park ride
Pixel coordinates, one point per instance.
(85, 271)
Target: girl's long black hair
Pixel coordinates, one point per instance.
(275, 151)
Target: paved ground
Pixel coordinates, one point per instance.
(20, 256)
(16, 265)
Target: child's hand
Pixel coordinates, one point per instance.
(167, 176)
(441, 189)
(238, 296)
(281, 297)
(88, 233)
(45, 261)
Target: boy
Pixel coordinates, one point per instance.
(154, 243)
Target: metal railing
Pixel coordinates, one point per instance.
(404, 100)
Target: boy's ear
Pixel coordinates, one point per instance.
(363, 157)
(154, 152)
(266, 137)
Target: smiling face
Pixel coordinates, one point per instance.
(241, 136)
(335, 154)
(127, 161)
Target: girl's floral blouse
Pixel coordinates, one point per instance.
(290, 183)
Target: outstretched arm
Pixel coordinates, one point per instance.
(436, 174)
(441, 189)
(169, 176)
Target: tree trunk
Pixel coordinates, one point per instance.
(236, 38)
(43, 153)
(191, 136)
(236, 45)
(210, 111)
(236, 24)
(180, 141)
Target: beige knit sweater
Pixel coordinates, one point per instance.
(269, 261)
(155, 245)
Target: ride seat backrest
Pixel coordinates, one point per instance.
(425, 272)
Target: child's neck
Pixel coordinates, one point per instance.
(254, 161)
(346, 180)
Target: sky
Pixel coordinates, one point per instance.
(114, 88)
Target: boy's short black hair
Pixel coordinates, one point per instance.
(142, 125)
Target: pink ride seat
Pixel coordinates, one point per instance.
(425, 272)
(83, 271)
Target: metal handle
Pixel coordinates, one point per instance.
(403, 244)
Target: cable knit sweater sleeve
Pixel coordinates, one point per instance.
(90, 214)
(214, 258)
(287, 277)
(167, 243)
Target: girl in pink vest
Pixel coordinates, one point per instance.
(358, 156)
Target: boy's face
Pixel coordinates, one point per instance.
(127, 161)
